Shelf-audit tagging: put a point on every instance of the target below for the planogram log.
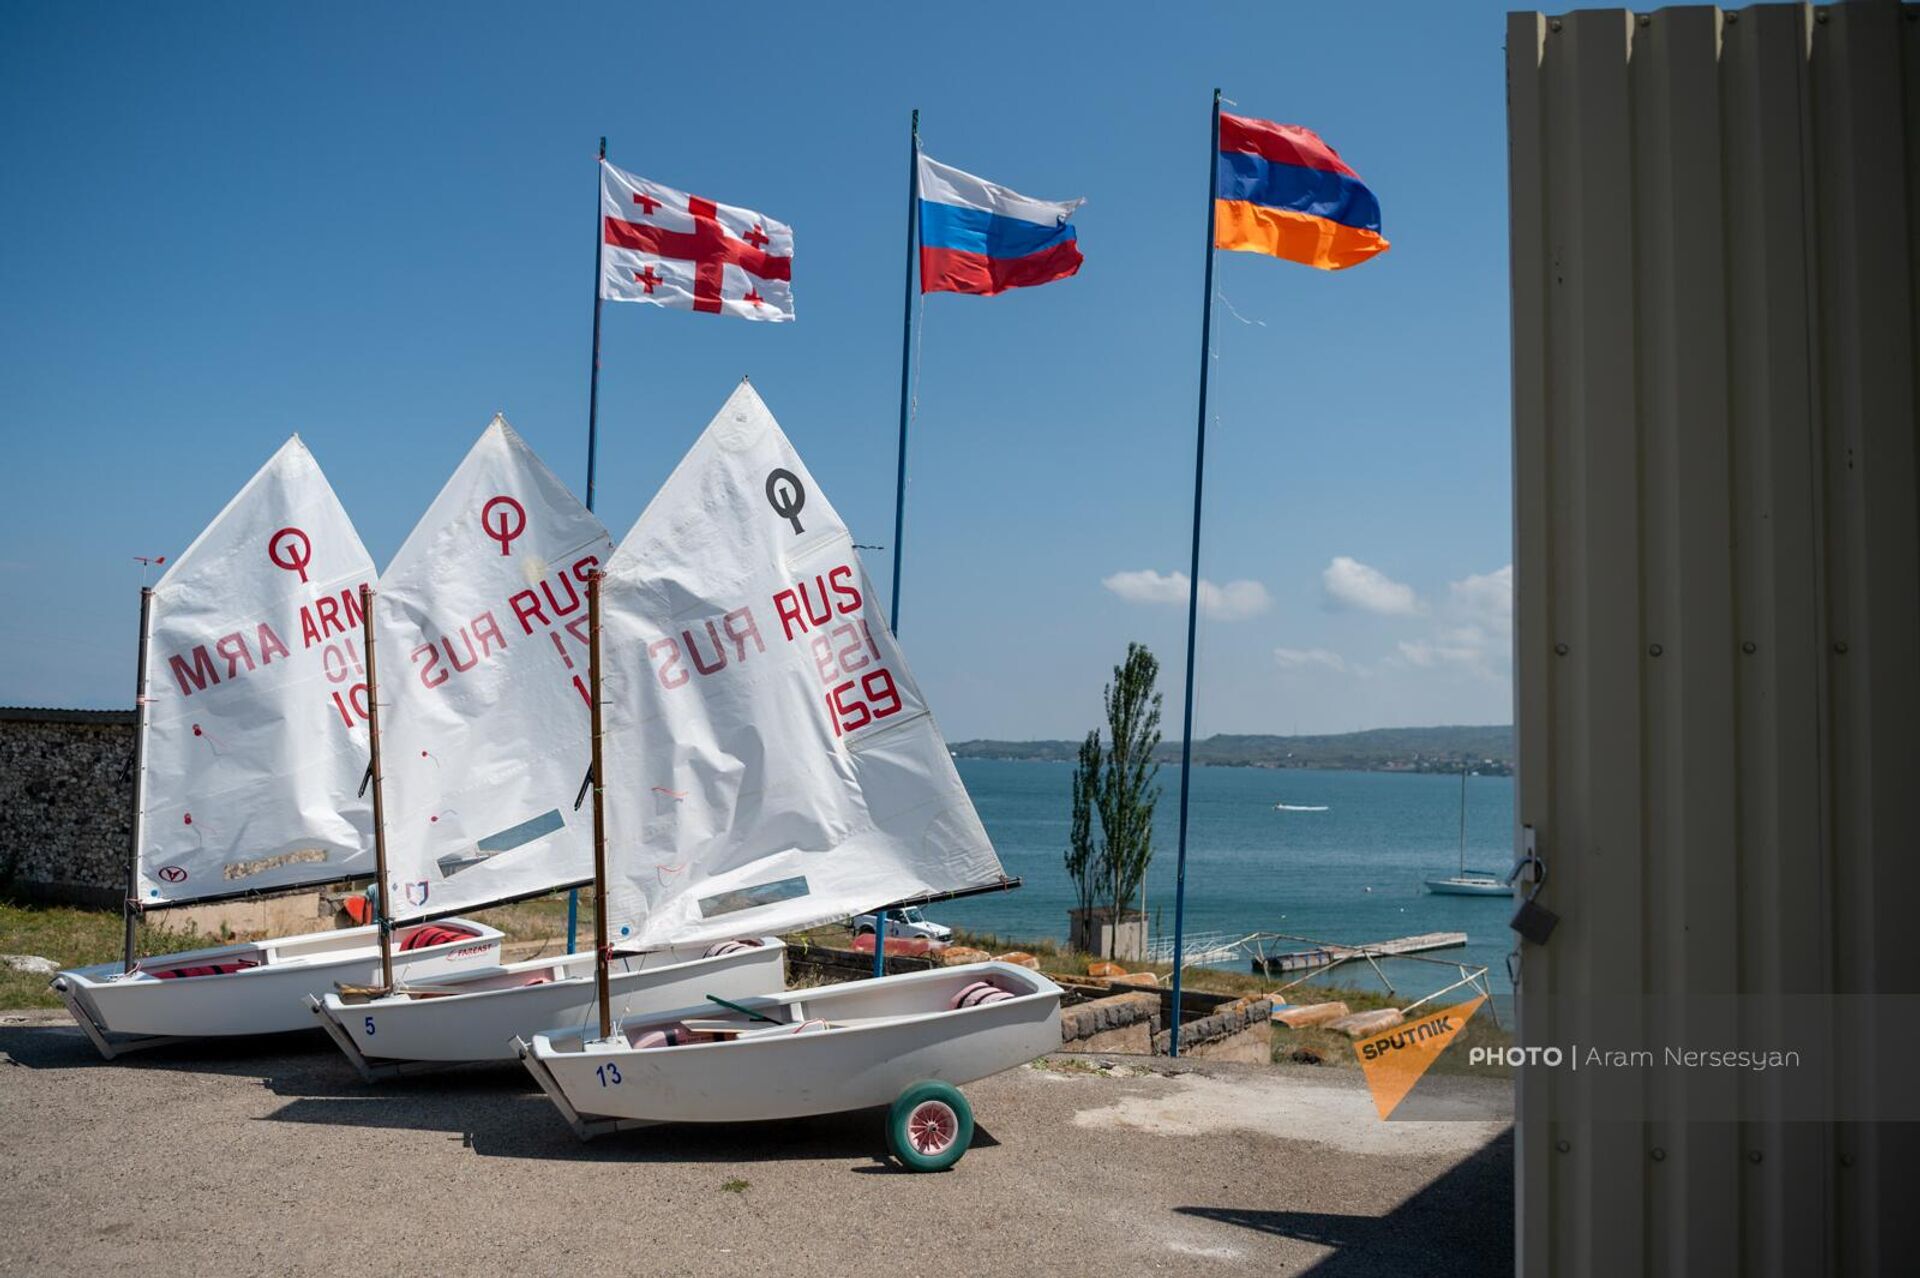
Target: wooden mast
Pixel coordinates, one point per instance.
(385, 916)
(130, 906)
(599, 808)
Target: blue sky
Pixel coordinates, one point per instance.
(371, 225)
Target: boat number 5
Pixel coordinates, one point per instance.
(369, 1025)
(609, 1074)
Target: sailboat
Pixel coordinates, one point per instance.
(249, 750)
(747, 672)
(1468, 882)
(484, 729)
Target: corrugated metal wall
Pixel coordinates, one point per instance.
(1714, 221)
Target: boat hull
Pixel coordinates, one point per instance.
(501, 1004)
(1468, 887)
(269, 998)
(912, 1037)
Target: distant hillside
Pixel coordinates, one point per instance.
(1443, 749)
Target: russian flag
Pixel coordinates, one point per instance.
(978, 237)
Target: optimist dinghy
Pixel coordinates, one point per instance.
(247, 763)
(485, 734)
(816, 1051)
(770, 764)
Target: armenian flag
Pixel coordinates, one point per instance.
(1284, 192)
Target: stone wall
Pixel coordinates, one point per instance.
(66, 804)
(1121, 1023)
(1238, 1031)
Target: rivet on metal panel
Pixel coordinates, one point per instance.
(1563, 1145)
(1840, 646)
(1820, 18)
(1658, 1154)
(1749, 647)
(1555, 24)
(1645, 21)
(1753, 1155)
(1846, 1160)
(1560, 649)
(1732, 18)
(1654, 650)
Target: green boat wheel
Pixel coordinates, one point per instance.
(930, 1126)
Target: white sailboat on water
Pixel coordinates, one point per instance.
(481, 625)
(1468, 882)
(769, 763)
(250, 748)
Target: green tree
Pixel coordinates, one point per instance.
(1126, 795)
(1083, 864)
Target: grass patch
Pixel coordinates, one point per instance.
(543, 919)
(74, 938)
(735, 1185)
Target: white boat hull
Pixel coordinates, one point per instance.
(882, 1036)
(268, 998)
(485, 1011)
(1469, 887)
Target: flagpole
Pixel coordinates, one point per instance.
(593, 432)
(600, 947)
(131, 906)
(900, 477)
(382, 900)
(1193, 583)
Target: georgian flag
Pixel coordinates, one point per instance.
(677, 250)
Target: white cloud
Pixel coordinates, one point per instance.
(1301, 658)
(1485, 600)
(1479, 638)
(1234, 601)
(1352, 584)
(1465, 646)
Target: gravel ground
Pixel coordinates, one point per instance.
(273, 1158)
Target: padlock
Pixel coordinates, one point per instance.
(1533, 921)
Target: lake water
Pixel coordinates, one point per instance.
(1251, 868)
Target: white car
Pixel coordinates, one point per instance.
(908, 921)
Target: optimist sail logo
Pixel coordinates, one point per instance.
(512, 521)
(1396, 1059)
(291, 549)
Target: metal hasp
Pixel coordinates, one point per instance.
(1193, 582)
(1533, 921)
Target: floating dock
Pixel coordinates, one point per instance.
(1326, 955)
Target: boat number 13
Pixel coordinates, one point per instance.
(609, 1074)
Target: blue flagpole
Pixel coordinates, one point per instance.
(1193, 585)
(593, 441)
(900, 476)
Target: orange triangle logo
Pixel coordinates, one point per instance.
(1394, 1060)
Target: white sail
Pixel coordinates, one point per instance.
(256, 735)
(769, 761)
(481, 622)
